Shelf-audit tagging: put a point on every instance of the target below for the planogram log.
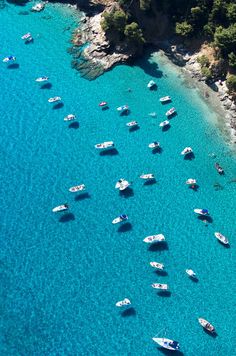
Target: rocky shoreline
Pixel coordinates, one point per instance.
(217, 89)
(93, 55)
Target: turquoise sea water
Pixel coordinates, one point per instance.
(62, 274)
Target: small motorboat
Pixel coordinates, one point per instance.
(221, 238)
(154, 144)
(201, 211)
(103, 145)
(167, 343)
(147, 176)
(191, 181)
(164, 123)
(152, 114)
(27, 37)
(165, 99)
(191, 273)
(41, 79)
(59, 208)
(123, 302)
(157, 265)
(77, 188)
(38, 7)
(54, 99)
(120, 219)
(186, 151)
(132, 124)
(154, 238)
(219, 168)
(161, 286)
(206, 325)
(69, 117)
(151, 84)
(170, 112)
(102, 104)
(122, 184)
(123, 108)
(9, 59)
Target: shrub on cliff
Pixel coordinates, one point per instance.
(183, 29)
(231, 83)
(232, 59)
(134, 33)
(115, 20)
(203, 61)
(206, 72)
(145, 5)
(225, 38)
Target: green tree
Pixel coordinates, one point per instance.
(134, 33)
(119, 20)
(225, 38)
(232, 59)
(231, 12)
(231, 83)
(206, 72)
(183, 29)
(115, 20)
(203, 60)
(145, 5)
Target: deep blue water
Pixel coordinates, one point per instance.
(62, 274)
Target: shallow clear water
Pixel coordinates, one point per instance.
(63, 274)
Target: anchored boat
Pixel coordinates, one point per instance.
(122, 184)
(69, 117)
(104, 145)
(59, 208)
(157, 265)
(77, 188)
(167, 343)
(154, 238)
(123, 302)
(206, 325)
(54, 99)
(221, 238)
(120, 218)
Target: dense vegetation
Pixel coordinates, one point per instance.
(213, 21)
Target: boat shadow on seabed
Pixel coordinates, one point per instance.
(128, 312)
(67, 217)
(169, 353)
(110, 152)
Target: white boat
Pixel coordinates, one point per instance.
(165, 99)
(103, 104)
(60, 208)
(206, 325)
(122, 184)
(186, 151)
(221, 238)
(55, 99)
(191, 273)
(152, 114)
(157, 265)
(107, 144)
(191, 181)
(120, 219)
(27, 36)
(164, 123)
(147, 176)
(69, 117)
(151, 84)
(77, 188)
(154, 144)
(161, 286)
(154, 238)
(38, 7)
(123, 302)
(132, 123)
(41, 79)
(123, 108)
(9, 59)
(167, 343)
(171, 112)
(201, 211)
